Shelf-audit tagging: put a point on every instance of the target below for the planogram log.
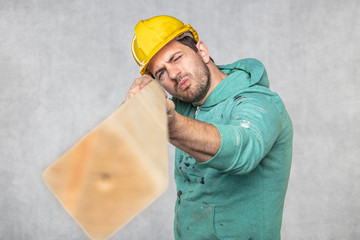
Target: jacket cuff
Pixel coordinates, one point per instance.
(223, 159)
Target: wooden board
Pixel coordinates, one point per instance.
(118, 169)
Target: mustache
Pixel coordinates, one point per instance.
(180, 77)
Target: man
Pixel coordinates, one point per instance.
(233, 135)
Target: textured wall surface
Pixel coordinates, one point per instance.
(66, 65)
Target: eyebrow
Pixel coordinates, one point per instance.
(172, 57)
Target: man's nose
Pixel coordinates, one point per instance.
(174, 72)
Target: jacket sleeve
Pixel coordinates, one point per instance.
(254, 127)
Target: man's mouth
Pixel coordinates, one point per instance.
(184, 83)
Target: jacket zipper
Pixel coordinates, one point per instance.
(197, 111)
(182, 172)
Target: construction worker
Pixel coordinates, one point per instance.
(233, 136)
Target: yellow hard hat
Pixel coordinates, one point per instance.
(153, 34)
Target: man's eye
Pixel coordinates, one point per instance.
(161, 73)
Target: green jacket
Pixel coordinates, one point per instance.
(239, 193)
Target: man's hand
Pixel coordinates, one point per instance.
(170, 109)
(138, 84)
(199, 139)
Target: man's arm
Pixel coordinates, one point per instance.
(198, 139)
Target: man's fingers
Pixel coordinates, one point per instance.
(145, 81)
(129, 95)
(137, 85)
(141, 81)
(132, 92)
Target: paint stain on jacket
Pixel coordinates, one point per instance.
(238, 98)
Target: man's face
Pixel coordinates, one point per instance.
(181, 71)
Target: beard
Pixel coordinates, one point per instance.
(199, 90)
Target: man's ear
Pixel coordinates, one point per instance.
(203, 51)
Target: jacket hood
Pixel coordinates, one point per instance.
(242, 74)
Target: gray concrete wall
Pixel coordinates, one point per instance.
(66, 65)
